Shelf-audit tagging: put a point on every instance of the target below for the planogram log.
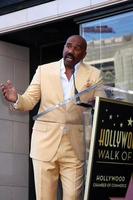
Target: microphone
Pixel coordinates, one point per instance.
(75, 89)
(78, 101)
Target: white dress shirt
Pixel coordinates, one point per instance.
(68, 85)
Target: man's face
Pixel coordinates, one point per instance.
(74, 51)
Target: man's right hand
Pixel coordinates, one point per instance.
(9, 91)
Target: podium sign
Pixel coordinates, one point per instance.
(110, 165)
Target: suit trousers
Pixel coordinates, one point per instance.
(65, 165)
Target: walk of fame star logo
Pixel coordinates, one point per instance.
(129, 194)
(130, 122)
(117, 120)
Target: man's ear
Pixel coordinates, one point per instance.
(84, 54)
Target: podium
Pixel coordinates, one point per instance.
(108, 135)
(109, 171)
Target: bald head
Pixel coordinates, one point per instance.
(79, 38)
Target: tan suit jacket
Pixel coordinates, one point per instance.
(46, 86)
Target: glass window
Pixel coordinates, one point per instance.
(110, 48)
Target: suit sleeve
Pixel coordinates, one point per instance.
(31, 96)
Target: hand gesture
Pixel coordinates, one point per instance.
(9, 92)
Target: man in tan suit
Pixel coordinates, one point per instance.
(57, 145)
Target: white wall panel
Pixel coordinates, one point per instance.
(13, 170)
(94, 2)
(6, 68)
(13, 19)
(65, 7)
(43, 11)
(13, 193)
(21, 74)
(14, 126)
(5, 193)
(6, 136)
(20, 137)
(48, 12)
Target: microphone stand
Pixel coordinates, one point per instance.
(85, 105)
(61, 104)
(78, 101)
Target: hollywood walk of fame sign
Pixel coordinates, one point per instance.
(110, 165)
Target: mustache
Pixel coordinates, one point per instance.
(70, 55)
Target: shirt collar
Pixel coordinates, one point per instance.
(63, 66)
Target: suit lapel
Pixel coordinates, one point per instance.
(82, 77)
(58, 83)
(80, 80)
